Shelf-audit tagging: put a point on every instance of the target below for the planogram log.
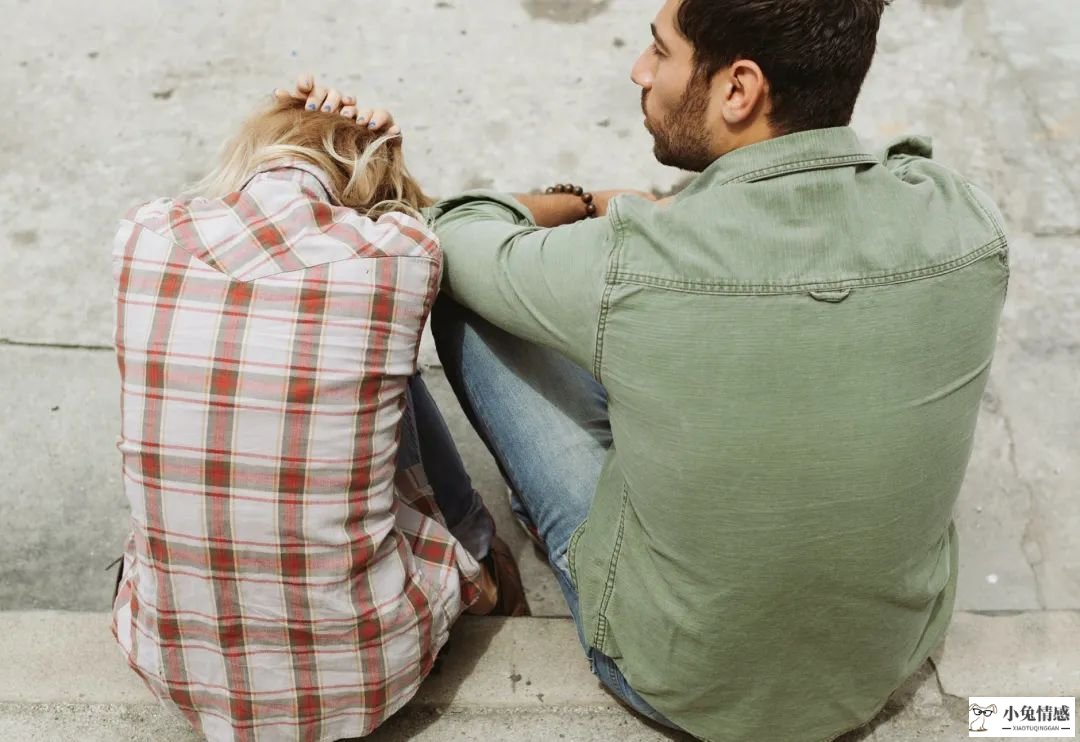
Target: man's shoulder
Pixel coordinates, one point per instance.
(899, 213)
(910, 160)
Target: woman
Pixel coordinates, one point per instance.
(290, 574)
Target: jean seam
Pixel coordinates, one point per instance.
(609, 678)
(612, 676)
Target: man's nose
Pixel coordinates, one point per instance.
(642, 73)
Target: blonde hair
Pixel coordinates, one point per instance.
(366, 170)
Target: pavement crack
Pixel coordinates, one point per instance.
(1029, 543)
(1034, 115)
(55, 346)
(1056, 232)
(941, 686)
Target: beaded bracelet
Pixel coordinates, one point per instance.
(574, 190)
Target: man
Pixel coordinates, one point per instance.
(738, 421)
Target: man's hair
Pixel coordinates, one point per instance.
(814, 53)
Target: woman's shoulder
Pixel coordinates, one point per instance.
(287, 220)
(398, 233)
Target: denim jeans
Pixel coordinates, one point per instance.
(545, 421)
(426, 440)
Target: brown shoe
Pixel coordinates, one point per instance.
(501, 565)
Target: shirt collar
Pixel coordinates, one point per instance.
(308, 174)
(816, 149)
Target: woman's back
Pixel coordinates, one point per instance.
(278, 579)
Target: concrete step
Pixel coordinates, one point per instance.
(116, 723)
(63, 678)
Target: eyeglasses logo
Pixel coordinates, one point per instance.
(979, 715)
(1029, 717)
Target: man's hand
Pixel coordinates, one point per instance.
(331, 100)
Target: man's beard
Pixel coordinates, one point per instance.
(681, 139)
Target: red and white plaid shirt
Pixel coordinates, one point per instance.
(282, 582)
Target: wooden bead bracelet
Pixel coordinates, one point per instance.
(575, 190)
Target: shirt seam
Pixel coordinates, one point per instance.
(998, 229)
(811, 163)
(610, 281)
(293, 163)
(571, 552)
(426, 258)
(885, 279)
(600, 635)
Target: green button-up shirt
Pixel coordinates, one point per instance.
(794, 351)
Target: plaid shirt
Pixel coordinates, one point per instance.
(282, 581)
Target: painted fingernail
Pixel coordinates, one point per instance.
(311, 106)
(361, 120)
(371, 125)
(326, 108)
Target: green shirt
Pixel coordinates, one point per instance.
(794, 351)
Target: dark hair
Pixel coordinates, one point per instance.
(814, 53)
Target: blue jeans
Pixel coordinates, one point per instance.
(426, 440)
(545, 421)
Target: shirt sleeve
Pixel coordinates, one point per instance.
(543, 285)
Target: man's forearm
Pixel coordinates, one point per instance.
(557, 209)
(554, 209)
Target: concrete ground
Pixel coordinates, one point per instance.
(112, 103)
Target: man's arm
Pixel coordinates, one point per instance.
(545, 285)
(557, 209)
(553, 209)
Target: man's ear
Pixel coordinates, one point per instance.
(744, 90)
(993, 707)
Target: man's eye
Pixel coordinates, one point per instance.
(656, 49)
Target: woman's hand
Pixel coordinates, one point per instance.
(331, 100)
